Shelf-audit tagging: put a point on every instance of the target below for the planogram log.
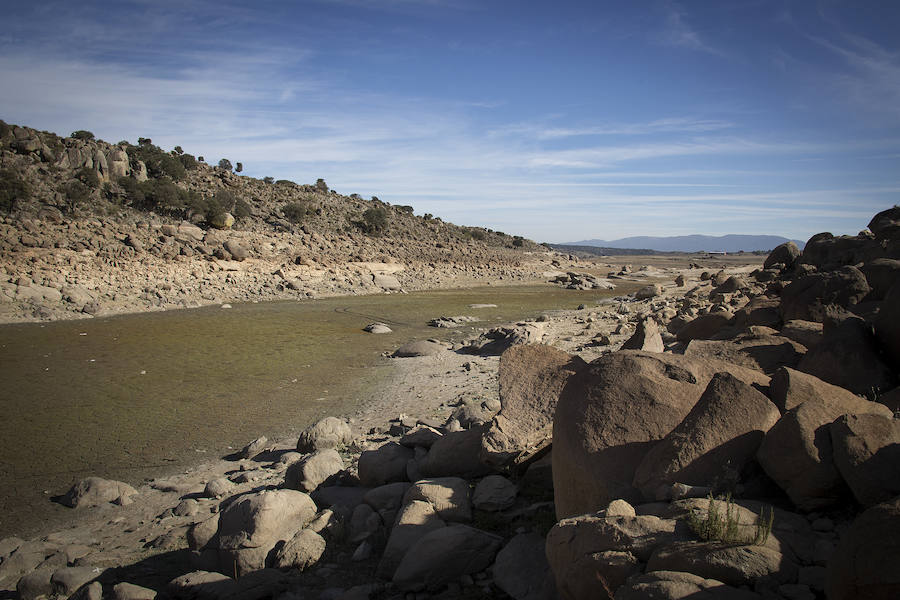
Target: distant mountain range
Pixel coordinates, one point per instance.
(693, 243)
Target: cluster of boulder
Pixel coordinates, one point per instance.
(581, 281)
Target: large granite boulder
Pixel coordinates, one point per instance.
(531, 378)
(722, 431)
(806, 298)
(764, 352)
(791, 388)
(646, 337)
(326, 433)
(94, 491)
(385, 464)
(733, 564)
(704, 326)
(415, 519)
(612, 412)
(797, 451)
(457, 453)
(676, 585)
(444, 555)
(887, 326)
(785, 255)
(867, 455)
(865, 562)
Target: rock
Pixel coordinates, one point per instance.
(867, 455)
(806, 298)
(224, 221)
(77, 295)
(203, 533)
(522, 571)
(807, 333)
(387, 282)
(887, 326)
(452, 322)
(186, 508)
(714, 442)
(35, 585)
(611, 413)
(384, 465)
(450, 497)
(236, 251)
(387, 499)
(848, 357)
(881, 274)
(646, 337)
(732, 564)
(421, 435)
(251, 526)
(864, 564)
(679, 280)
(785, 254)
(649, 291)
(797, 452)
(791, 388)
(301, 551)
(92, 591)
(499, 339)
(891, 400)
(759, 311)
(307, 474)
(134, 242)
(326, 433)
(704, 326)
(129, 591)
(765, 352)
(494, 493)
(421, 348)
(445, 554)
(377, 328)
(675, 585)
(363, 523)
(731, 285)
(531, 378)
(216, 488)
(886, 223)
(592, 553)
(94, 491)
(342, 498)
(254, 447)
(67, 580)
(200, 585)
(457, 453)
(414, 521)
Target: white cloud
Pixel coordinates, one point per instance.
(678, 32)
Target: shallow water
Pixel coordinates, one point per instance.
(134, 396)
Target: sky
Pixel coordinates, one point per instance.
(559, 121)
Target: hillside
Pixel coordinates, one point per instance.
(693, 243)
(90, 227)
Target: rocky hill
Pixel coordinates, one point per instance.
(90, 227)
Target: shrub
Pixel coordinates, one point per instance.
(269, 180)
(75, 194)
(13, 189)
(404, 208)
(158, 162)
(178, 150)
(82, 134)
(295, 212)
(239, 167)
(240, 210)
(518, 242)
(88, 177)
(725, 527)
(4, 128)
(374, 221)
(321, 186)
(225, 164)
(286, 182)
(134, 192)
(188, 161)
(145, 141)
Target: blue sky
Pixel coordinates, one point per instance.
(559, 121)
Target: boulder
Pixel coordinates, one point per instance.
(301, 551)
(444, 555)
(531, 378)
(377, 328)
(646, 337)
(254, 447)
(612, 412)
(886, 224)
(729, 286)
(826, 252)
(224, 221)
(732, 564)
(865, 562)
(791, 388)
(761, 310)
(329, 432)
(497, 340)
(494, 493)
(421, 435)
(887, 326)
(714, 442)
(218, 487)
(457, 453)
(251, 526)
(704, 326)
(764, 352)
(68, 580)
(35, 584)
(675, 585)
(387, 499)
(129, 591)
(867, 455)
(236, 251)
(891, 399)
(414, 521)
(420, 348)
(202, 534)
(848, 357)
(384, 465)
(797, 452)
(307, 474)
(806, 333)
(522, 571)
(593, 554)
(450, 497)
(785, 254)
(806, 298)
(93, 491)
(881, 275)
(91, 591)
(386, 282)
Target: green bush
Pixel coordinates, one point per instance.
(321, 186)
(75, 194)
(518, 242)
(404, 208)
(295, 212)
(158, 162)
(239, 167)
(286, 182)
(725, 526)
(88, 177)
(188, 161)
(82, 134)
(269, 180)
(225, 164)
(374, 221)
(134, 192)
(13, 189)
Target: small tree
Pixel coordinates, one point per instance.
(374, 221)
(295, 212)
(225, 164)
(75, 194)
(321, 186)
(269, 180)
(142, 141)
(178, 150)
(239, 168)
(13, 189)
(82, 134)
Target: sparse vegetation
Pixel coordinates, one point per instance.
(726, 527)
(225, 164)
(321, 186)
(74, 195)
(374, 221)
(295, 212)
(269, 180)
(158, 162)
(82, 134)
(239, 167)
(404, 208)
(13, 190)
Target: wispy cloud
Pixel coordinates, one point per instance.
(678, 32)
